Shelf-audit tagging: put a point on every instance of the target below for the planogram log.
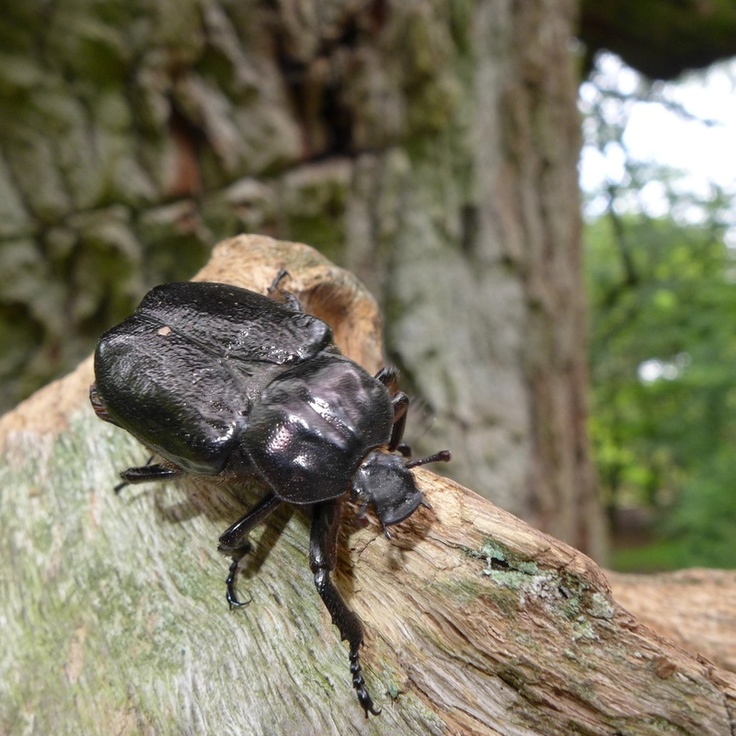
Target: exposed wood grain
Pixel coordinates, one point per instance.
(114, 618)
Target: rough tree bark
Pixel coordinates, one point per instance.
(114, 619)
(431, 147)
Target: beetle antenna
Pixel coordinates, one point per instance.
(443, 456)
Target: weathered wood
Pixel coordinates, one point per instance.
(696, 608)
(113, 617)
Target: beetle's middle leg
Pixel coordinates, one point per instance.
(234, 541)
(322, 561)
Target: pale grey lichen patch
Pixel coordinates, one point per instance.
(601, 606)
(582, 629)
(581, 609)
(505, 568)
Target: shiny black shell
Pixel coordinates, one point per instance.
(218, 379)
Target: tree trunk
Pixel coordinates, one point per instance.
(431, 147)
(114, 618)
(476, 234)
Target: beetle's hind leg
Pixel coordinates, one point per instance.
(234, 542)
(322, 560)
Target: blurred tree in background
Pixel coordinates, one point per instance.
(429, 146)
(663, 350)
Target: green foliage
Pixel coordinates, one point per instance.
(663, 365)
(658, 556)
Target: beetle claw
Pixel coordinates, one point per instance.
(364, 697)
(232, 598)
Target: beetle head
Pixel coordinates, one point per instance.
(384, 480)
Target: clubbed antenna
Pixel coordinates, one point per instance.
(443, 456)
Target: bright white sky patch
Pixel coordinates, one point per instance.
(704, 153)
(653, 369)
(698, 140)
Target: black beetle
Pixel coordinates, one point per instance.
(218, 380)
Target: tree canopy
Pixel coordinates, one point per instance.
(660, 38)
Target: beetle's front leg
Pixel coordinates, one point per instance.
(389, 376)
(234, 542)
(322, 560)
